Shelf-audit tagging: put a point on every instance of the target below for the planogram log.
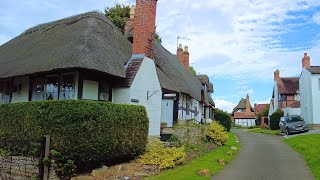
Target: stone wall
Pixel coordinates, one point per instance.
(18, 167)
(188, 134)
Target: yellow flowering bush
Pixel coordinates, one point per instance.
(164, 157)
(217, 133)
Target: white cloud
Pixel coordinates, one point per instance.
(316, 18)
(224, 105)
(237, 39)
(267, 101)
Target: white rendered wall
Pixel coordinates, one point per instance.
(23, 94)
(291, 111)
(245, 122)
(316, 98)
(306, 96)
(146, 80)
(121, 95)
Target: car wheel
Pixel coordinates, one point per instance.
(287, 131)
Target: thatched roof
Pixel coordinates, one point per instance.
(87, 41)
(242, 105)
(180, 78)
(203, 78)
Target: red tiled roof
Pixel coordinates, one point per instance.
(244, 115)
(260, 107)
(288, 85)
(295, 104)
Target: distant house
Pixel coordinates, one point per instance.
(87, 57)
(310, 91)
(285, 94)
(259, 108)
(244, 114)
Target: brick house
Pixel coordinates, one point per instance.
(86, 57)
(285, 93)
(244, 114)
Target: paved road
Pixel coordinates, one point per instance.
(313, 131)
(264, 157)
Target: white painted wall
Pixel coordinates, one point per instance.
(291, 111)
(245, 122)
(316, 97)
(306, 99)
(90, 90)
(145, 80)
(182, 114)
(23, 94)
(121, 95)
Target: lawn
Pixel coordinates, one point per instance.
(208, 161)
(265, 131)
(309, 147)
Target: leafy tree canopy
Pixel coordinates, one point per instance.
(192, 70)
(119, 14)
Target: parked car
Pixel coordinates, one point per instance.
(293, 124)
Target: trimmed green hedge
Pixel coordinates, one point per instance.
(275, 119)
(90, 133)
(224, 118)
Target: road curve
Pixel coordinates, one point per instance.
(264, 157)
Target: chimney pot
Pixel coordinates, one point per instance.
(186, 49)
(132, 9)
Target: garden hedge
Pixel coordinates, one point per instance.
(224, 118)
(89, 132)
(275, 119)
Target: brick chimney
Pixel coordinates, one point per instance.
(144, 28)
(129, 23)
(180, 54)
(186, 57)
(277, 75)
(248, 110)
(306, 61)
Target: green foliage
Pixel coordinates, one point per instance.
(309, 147)
(191, 69)
(164, 157)
(118, 15)
(217, 134)
(275, 119)
(208, 161)
(224, 118)
(264, 113)
(265, 131)
(90, 133)
(64, 167)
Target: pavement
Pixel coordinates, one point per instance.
(312, 131)
(264, 157)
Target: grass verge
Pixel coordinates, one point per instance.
(265, 131)
(309, 147)
(208, 161)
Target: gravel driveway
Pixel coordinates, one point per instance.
(264, 157)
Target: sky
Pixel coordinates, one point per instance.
(237, 43)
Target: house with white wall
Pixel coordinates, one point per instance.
(86, 57)
(285, 93)
(309, 84)
(244, 114)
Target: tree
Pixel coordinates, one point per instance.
(192, 70)
(119, 14)
(224, 118)
(275, 119)
(264, 113)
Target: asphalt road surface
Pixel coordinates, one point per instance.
(264, 157)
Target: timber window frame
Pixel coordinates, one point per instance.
(5, 91)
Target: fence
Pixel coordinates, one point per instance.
(23, 159)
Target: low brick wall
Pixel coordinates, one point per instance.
(18, 167)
